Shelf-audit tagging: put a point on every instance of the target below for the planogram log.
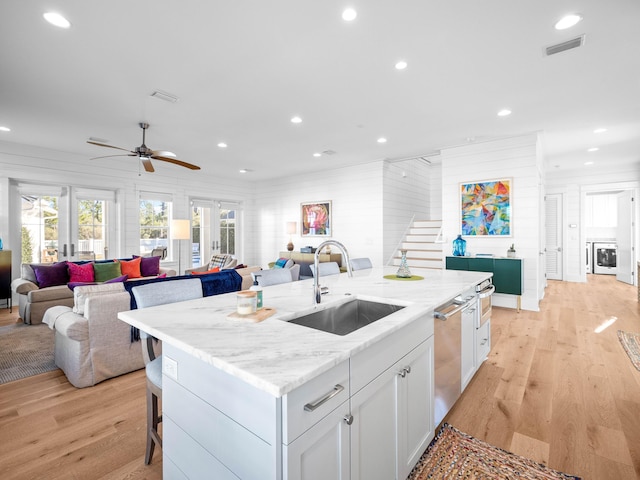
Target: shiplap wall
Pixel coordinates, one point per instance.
(406, 196)
(19, 163)
(515, 158)
(356, 202)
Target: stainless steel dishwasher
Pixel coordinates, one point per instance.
(447, 325)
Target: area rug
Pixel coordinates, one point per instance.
(631, 344)
(25, 350)
(456, 455)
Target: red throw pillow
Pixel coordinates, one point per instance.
(131, 268)
(81, 272)
(213, 270)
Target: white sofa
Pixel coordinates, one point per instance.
(91, 343)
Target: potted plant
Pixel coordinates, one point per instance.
(511, 252)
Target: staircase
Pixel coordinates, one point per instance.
(421, 246)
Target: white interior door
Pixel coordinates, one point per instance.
(624, 238)
(553, 236)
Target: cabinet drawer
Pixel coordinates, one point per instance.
(369, 363)
(308, 404)
(483, 342)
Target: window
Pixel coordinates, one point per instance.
(40, 228)
(227, 230)
(154, 223)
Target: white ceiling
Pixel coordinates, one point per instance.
(242, 69)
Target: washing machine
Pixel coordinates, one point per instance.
(605, 258)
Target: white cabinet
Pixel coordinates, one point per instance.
(483, 342)
(393, 418)
(468, 347)
(322, 452)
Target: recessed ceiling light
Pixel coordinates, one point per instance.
(222, 145)
(56, 19)
(593, 149)
(568, 21)
(382, 140)
(504, 112)
(600, 130)
(317, 154)
(401, 65)
(588, 163)
(5, 129)
(349, 14)
(296, 119)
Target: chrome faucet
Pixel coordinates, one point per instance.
(317, 293)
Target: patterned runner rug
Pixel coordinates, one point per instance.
(456, 455)
(631, 344)
(25, 350)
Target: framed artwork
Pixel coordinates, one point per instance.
(316, 219)
(486, 208)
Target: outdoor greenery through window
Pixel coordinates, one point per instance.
(227, 231)
(39, 229)
(92, 230)
(154, 224)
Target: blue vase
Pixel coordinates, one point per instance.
(459, 247)
(0, 243)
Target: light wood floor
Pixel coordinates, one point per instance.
(551, 390)
(554, 390)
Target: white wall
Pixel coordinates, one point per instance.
(516, 158)
(356, 201)
(406, 196)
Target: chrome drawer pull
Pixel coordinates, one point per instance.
(310, 407)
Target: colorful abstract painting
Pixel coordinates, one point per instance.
(316, 219)
(486, 208)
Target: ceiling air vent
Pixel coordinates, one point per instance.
(564, 46)
(329, 152)
(167, 97)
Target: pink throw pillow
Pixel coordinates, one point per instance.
(81, 272)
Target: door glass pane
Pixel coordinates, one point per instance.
(154, 225)
(227, 231)
(92, 228)
(196, 235)
(39, 229)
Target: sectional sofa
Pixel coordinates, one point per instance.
(45, 285)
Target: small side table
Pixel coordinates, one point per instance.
(5, 277)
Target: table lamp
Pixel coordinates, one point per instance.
(292, 227)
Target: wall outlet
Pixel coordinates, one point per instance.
(170, 367)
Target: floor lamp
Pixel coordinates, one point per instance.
(180, 230)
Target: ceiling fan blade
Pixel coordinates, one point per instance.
(146, 163)
(175, 161)
(119, 155)
(105, 145)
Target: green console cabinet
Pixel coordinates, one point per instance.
(507, 272)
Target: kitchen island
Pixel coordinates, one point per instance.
(278, 400)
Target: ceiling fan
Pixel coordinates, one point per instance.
(145, 154)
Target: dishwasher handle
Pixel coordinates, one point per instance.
(444, 316)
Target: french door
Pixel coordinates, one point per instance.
(66, 223)
(213, 229)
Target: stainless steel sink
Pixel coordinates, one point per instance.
(346, 317)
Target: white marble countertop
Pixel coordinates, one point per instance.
(277, 356)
